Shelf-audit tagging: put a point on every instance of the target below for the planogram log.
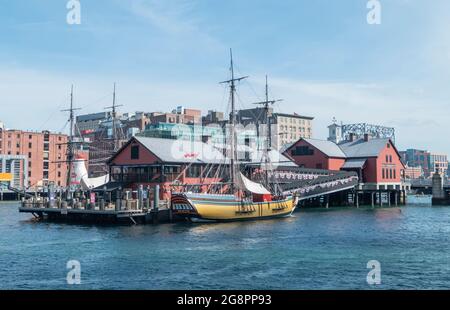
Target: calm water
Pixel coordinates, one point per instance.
(312, 250)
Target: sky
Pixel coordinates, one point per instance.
(322, 57)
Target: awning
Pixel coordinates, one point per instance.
(354, 164)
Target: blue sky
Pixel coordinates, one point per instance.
(322, 58)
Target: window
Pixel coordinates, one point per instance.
(390, 174)
(302, 151)
(46, 165)
(29, 164)
(193, 172)
(29, 155)
(319, 166)
(59, 174)
(29, 174)
(387, 158)
(395, 174)
(45, 175)
(135, 152)
(384, 174)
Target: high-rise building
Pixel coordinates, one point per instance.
(286, 128)
(13, 170)
(45, 153)
(418, 158)
(439, 163)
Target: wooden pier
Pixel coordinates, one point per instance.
(96, 215)
(101, 208)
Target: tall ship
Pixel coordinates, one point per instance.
(238, 197)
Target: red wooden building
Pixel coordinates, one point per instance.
(376, 161)
(154, 161)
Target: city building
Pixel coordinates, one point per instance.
(286, 128)
(183, 131)
(13, 170)
(213, 117)
(45, 154)
(438, 163)
(376, 160)
(89, 123)
(415, 158)
(413, 172)
(180, 115)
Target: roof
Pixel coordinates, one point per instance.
(329, 148)
(361, 148)
(354, 163)
(294, 116)
(276, 158)
(182, 151)
(285, 147)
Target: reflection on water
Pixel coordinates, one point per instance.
(312, 249)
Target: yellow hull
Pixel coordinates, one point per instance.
(230, 210)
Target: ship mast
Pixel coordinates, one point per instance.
(267, 120)
(71, 142)
(233, 147)
(113, 109)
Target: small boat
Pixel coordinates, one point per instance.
(246, 199)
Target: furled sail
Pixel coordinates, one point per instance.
(251, 186)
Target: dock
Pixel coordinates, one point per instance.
(108, 215)
(127, 207)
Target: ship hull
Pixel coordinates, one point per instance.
(225, 209)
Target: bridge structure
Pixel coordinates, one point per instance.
(424, 186)
(324, 188)
(437, 186)
(317, 187)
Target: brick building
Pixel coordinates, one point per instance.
(376, 161)
(44, 153)
(286, 128)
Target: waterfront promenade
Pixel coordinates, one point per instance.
(314, 249)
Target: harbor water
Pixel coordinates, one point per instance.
(314, 249)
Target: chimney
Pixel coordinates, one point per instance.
(366, 137)
(351, 137)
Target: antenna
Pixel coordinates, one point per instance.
(70, 144)
(114, 117)
(232, 83)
